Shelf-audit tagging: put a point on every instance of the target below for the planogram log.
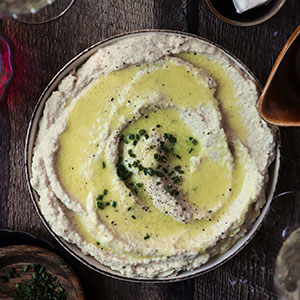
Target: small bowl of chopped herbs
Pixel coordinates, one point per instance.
(33, 273)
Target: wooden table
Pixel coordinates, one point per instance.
(40, 51)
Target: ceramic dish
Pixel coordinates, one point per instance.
(21, 256)
(226, 12)
(18, 249)
(88, 260)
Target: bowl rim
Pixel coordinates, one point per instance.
(31, 135)
(254, 22)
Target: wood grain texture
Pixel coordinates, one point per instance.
(40, 51)
(22, 255)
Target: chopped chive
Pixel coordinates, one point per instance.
(133, 217)
(194, 141)
(99, 197)
(158, 125)
(147, 236)
(172, 139)
(131, 154)
(25, 268)
(176, 179)
(146, 136)
(103, 165)
(129, 208)
(135, 143)
(166, 188)
(190, 151)
(125, 141)
(163, 159)
(100, 205)
(171, 173)
(177, 168)
(150, 171)
(159, 174)
(98, 243)
(105, 192)
(137, 137)
(139, 185)
(156, 156)
(107, 203)
(174, 193)
(131, 136)
(178, 156)
(158, 183)
(142, 131)
(113, 203)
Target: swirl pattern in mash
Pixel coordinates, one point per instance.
(152, 157)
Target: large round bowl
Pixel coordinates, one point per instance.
(76, 252)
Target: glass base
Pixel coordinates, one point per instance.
(287, 266)
(47, 14)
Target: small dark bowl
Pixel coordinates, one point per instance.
(225, 11)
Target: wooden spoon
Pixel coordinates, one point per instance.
(279, 103)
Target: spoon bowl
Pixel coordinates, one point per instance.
(279, 103)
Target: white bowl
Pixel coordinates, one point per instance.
(74, 250)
